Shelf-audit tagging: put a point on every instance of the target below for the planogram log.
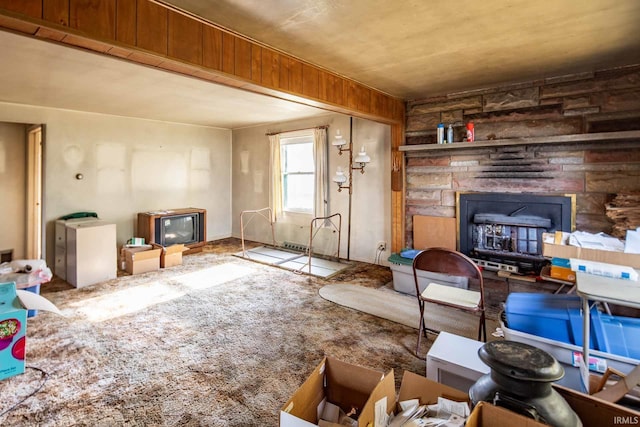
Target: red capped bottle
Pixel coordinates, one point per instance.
(471, 134)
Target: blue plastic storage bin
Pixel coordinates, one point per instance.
(618, 335)
(556, 317)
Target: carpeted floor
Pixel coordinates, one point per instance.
(218, 341)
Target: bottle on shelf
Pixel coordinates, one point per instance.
(471, 135)
(450, 134)
(440, 133)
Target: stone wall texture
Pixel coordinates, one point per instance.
(595, 171)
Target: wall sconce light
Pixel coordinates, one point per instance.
(339, 142)
(362, 159)
(358, 163)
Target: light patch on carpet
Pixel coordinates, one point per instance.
(137, 298)
(126, 301)
(213, 276)
(295, 261)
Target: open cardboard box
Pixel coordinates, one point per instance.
(340, 383)
(487, 415)
(14, 305)
(350, 386)
(170, 255)
(560, 249)
(414, 386)
(596, 412)
(592, 411)
(354, 386)
(141, 259)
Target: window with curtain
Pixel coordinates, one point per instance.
(298, 173)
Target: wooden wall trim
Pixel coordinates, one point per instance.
(397, 189)
(152, 33)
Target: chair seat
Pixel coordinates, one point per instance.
(451, 295)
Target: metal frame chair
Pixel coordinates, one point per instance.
(446, 261)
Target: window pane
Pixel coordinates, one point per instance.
(298, 192)
(298, 174)
(298, 157)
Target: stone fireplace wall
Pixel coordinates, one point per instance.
(594, 170)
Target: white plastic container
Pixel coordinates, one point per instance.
(604, 269)
(404, 282)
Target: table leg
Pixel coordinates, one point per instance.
(585, 345)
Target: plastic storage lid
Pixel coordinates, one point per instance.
(409, 253)
(397, 259)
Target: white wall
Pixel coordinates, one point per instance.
(371, 203)
(13, 186)
(129, 166)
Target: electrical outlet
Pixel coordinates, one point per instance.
(382, 246)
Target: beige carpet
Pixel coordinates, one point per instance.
(218, 341)
(401, 308)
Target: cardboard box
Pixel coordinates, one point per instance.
(414, 386)
(595, 412)
(14, 305)
(592, 411)
(487, 415)
(563, 250)
(141, 259)
(13, 327)
(170, 255)
(343, 384)
(563, 273)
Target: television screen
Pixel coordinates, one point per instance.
(178, 229)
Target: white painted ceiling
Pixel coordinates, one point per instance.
(36, 72)
(409, 48)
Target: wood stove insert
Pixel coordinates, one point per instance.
(503, 231)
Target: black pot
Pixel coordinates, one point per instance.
(520, 380)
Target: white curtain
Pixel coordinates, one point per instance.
(276, 177)
(320, 205)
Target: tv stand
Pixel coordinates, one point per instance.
(149, 226)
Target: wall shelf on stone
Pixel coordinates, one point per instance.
(537, 140)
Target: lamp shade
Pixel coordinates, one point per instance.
(338, 140)
(340, 177)
(362, 157)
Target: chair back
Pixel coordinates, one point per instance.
(447, 261)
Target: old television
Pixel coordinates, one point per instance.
(179, 226)
(176, 229)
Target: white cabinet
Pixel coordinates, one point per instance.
(89, 250)
(60, 265)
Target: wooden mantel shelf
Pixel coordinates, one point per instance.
(537, 140)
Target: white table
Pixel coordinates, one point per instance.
(598, 288)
